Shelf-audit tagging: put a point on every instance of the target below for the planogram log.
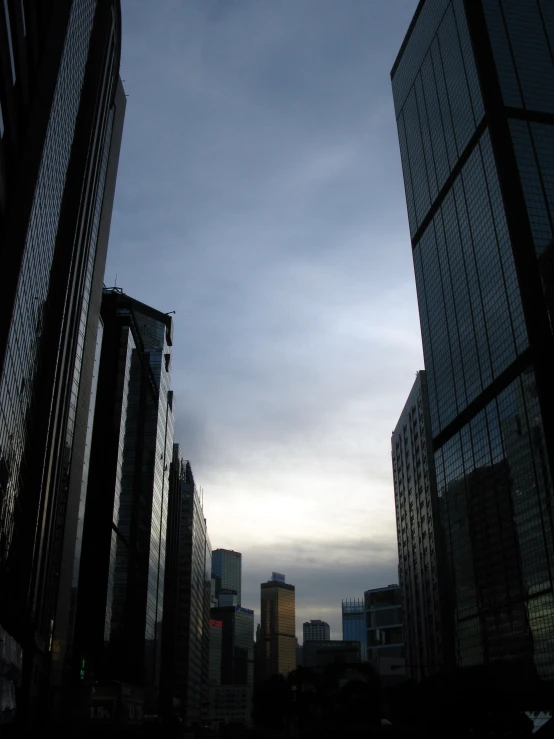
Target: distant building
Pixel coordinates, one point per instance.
(237, 657)
(227, 598)
(227, 565)
(316, 629)
(322, 652)
(119, 612)
(385, 641)
(237, 665)
(354, 624)
(278, 628)
(419, 534)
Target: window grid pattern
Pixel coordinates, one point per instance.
(522, 37)
(438, 104)
(470, 308)
(494, 492)
(20, 364)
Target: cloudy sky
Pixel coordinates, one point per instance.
(260, 196)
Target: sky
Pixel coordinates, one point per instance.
(260, 197)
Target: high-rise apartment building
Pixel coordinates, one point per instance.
(385, 641)
(316, 629)
(227, 566)
(419, 535)
(186, 668)
(119, 613)
(278, 628)
(354, 624)
(61, 117)
(473, 96)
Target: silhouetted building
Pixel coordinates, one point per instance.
(227, 566)
(420, 551)
(354, 624)
(299, 654)
(316, 629)
(237, 656)
(216, 652)
(476, 130)
(385, 642)
(278, 628)
(187, 661)
(61, 118)
(322, 652)
(119, 613)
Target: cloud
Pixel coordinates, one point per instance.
(260, 196)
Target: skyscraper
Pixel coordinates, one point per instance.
(61, 116)
(278, 628)
(420, 552)
(473, 96)
(354, 624)
(119, 613)
(316, 629)
(186, 667)
(227, 566)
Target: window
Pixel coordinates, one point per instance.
(23, 17)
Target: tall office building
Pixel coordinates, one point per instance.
(278, 628)
(227, 566)
(316, 629)
(61, 116)
(186, 668)
(119, 613)
(237, 655)
(354, 624)
(385, 640)
(475, 110)
(420, 551)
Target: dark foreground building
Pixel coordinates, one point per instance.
(186, 631)
(474, 97)
(119, 612)
(61, 117)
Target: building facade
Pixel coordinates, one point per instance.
(61, 117)
(420, 549)
(237, 656)
(119, 613)
(187, 658)
(278, 628)
(216, 652)
(476, 131)
(354, 624)
(385, 640)
(323, 652)
(316, 629)
(227, 566)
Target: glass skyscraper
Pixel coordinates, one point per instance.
(61, 117)
(473, 91)
(354, 624)
(119, 613)
(278, 628)
(227, 566)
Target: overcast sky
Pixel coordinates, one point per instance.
(260, 196)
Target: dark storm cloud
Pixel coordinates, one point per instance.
(260, 197)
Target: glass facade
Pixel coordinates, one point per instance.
(278, 628)
(227, 566)
(385, 638)
(473, 96)
(354, 625)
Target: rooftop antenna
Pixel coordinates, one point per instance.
(115, 284)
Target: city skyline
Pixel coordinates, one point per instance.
(276, 205)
